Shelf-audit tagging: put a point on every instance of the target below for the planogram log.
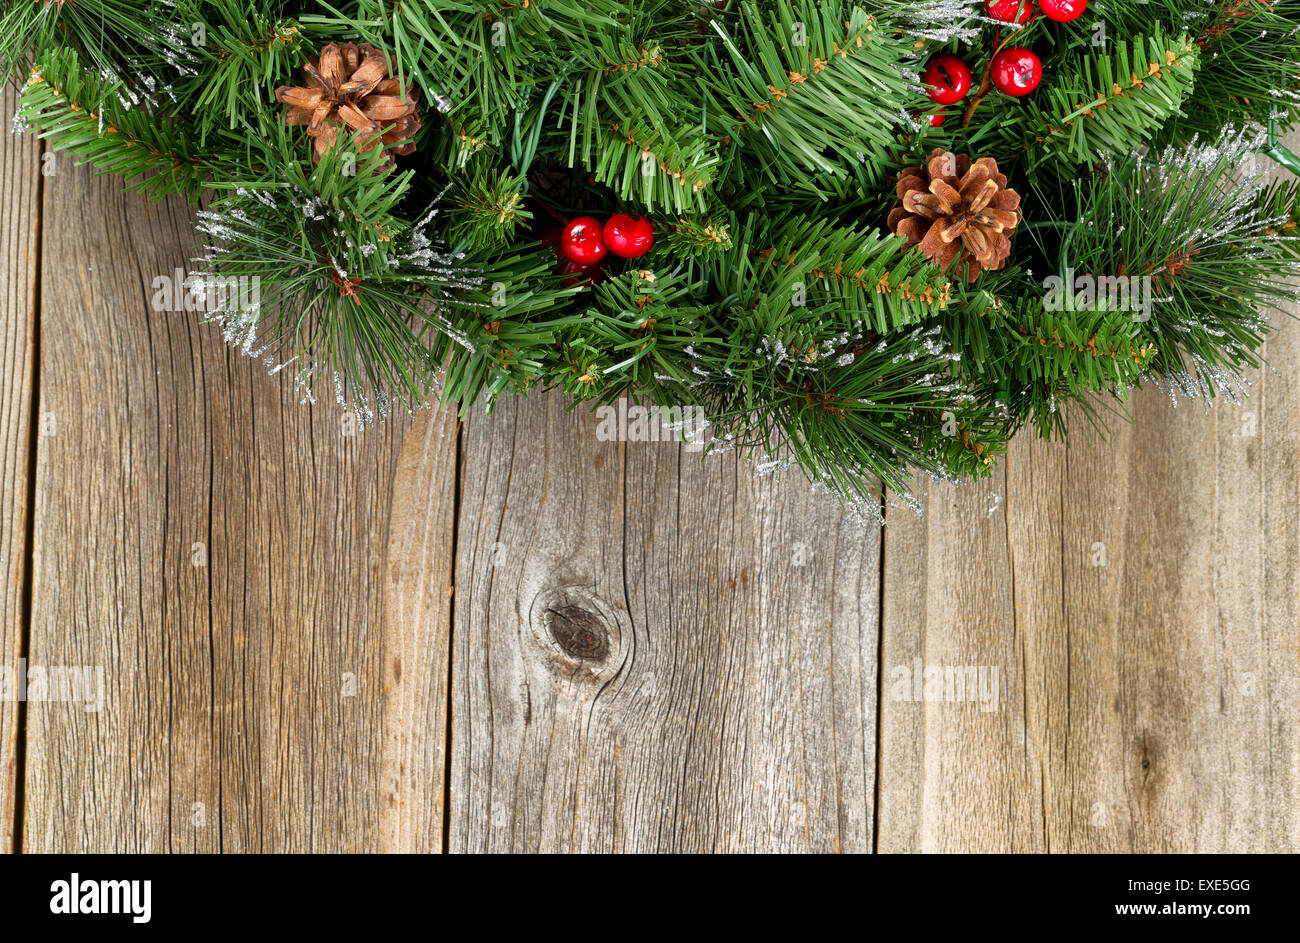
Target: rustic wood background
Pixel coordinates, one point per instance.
(505, 635)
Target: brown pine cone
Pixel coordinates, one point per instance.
(349, 86)
(956, 210)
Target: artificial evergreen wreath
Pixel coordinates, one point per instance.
(872, 237)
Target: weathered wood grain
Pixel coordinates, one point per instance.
(417, 653)
(958, 771)
(1139, 597)
(654, 652)
(1118, 592)
(1267, 687)
(20, 158)
(223, 552)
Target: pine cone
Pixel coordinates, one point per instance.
(349, 87)
(956, 210)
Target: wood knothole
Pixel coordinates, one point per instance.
(580, 634)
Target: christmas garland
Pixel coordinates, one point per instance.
(869, 238)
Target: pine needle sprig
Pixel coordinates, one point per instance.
(1109, 100)
(75, 110)
(802, 87)
(1197, 231)
(344, 287)
(136, 46)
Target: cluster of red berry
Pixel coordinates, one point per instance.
(1014, 71)
(584, 242)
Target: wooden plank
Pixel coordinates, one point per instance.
(957, 769)
(1272, 682)
(417, 641)
(1269, 687)
(1119, 598)
(223, 553)
(654, 652)
(1139, 596)
(20, 180)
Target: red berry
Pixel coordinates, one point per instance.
(1011, 11)
(936, 119)
(581, 241)
(1017, 71)
(629, 236)
(948, 78)
(1063, 11)
(585, 274)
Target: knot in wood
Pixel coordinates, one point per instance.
(582, 639)
(579, 633)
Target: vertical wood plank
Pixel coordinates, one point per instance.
(1148, 641)
(223, 552)
(1272, 682)
(421, 574)
(1129, 636)
(959, 770)
(1139, 746)
(118, 425)
(19, 227)
(654, 652)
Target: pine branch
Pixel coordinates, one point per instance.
(99, 120)
(871, 279)
(791, 83)
(343, 285)
(136, 46)
(487, 210)
(1106, 104)
(1248, 72)
(242, 59)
